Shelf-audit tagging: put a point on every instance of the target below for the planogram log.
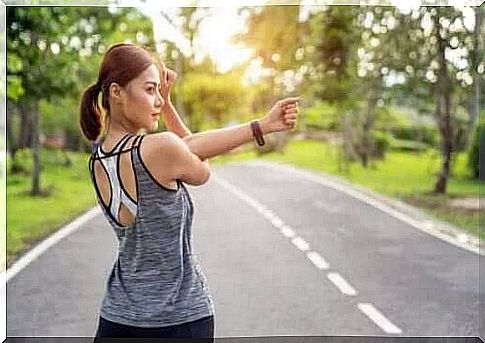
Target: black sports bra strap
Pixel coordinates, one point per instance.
(122, 145)
(118, 147)
(122, 142)
(135, 141)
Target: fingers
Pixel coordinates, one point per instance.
(289, 101)
(292, 108)
(168, 77)
(171, 76)
(163, 76)
(290, 111)
(290, 116)
(291, 123)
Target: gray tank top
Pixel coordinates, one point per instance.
(155, 280)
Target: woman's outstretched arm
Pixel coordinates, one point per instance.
(208, 144)
(205, 145)
(215, 142)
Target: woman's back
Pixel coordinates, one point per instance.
(156, 280)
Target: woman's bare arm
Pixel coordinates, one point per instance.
(215, 142)
(205, 145)
(173, 122)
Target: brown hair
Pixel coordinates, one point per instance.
(122, 63)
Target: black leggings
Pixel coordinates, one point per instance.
(200, 328)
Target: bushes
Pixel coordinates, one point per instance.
(381, 143)
(417, 133)
(24, 163)
(407, 145)
(321, 116)
(474, 152)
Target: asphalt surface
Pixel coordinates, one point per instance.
(263, 283)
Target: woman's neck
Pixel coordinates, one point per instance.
(115, 131)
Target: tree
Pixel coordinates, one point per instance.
(49, 42)
(436, 57)
(477, 67)
(276, 36)
(212, 97)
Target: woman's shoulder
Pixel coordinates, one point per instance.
(155, 153)
(166, 143)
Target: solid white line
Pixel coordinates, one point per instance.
(269, 215)
(301, 244)
(277, 222)
(341, 284)
(287, 231)
(47, 243)
(317, 260)
(261, 210)
(377, 317)
(351, 190)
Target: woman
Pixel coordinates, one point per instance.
(156, 287)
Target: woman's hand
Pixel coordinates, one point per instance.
(166, 82)
(282, 116)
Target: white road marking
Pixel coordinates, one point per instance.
(34, 253)
(378, 318)
(287, 231)
(300, 243)
(317, 260)
(261, 210)
(269, 215)
(341, 284)
(353, 191)
(277, 222)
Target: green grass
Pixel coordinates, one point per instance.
(404, 175)
(29, 219)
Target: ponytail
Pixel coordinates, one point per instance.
(90, 113)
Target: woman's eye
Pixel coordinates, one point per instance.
(151, 89)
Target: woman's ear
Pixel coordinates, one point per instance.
(115, 91)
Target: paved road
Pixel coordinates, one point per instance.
(283, 255)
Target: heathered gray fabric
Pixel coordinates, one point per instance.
(156, 280)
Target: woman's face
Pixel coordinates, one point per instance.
(142, 101)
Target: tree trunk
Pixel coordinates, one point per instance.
(347, 133)
(12, 144)
(25, 125)
(481, 161)
(36, 149)
(474, 103)
(443, 97)
(366, 144)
